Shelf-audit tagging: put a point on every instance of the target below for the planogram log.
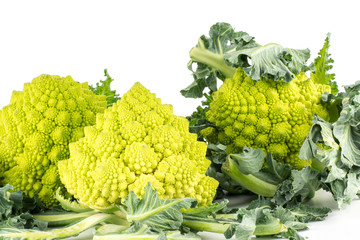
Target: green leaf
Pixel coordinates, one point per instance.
(158, 214)
(245, 230)
(216, 153)
(286, 216)
(347, 131)
(292, 234)
(226, 184)
(301, 186)
(241, 223)
(278, 171)
(196, 88)
(243, 42)
(206, 211)
(262, 218)
(23, 221)
(272, 61)
(265, 219)
(218, 55)
(15, 210)
(322, 64)
(103, 88)
(249, 161)
(321, 145)
(305, 213)
(208, 56)
(345, 190)
(336, 149)
(6, 205)
(197, 120)
(244, 168)
(261, 202)
(249, 171)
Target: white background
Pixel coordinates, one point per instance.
(149, 42)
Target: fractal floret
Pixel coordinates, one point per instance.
(136, 141)
(272, 115)
(36, 128)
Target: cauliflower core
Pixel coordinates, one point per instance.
(273, 116)
(136, 141)
(36, 127)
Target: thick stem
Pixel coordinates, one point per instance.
(61, 232)
(317, 165)
(118, 221)
(248, 181)
(63, 219)
(111, 228)
(202, 55)
(206, 226)
(272, 228)
(219, 226)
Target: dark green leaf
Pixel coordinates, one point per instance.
(279, 172)
(287, 217)
(15, 210)
(6, 205)
(305, 213)
(216, 153)
(196, 88)
(301, 186)
(292, 234)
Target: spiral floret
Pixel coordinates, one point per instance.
(36, 128)
(273, 116)
(138, 140)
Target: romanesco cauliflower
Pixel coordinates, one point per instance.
(273, 116)
(136, 141)
(36, 127)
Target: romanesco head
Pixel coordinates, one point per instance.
(273, 116)
(136, 141)
(36, 128)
